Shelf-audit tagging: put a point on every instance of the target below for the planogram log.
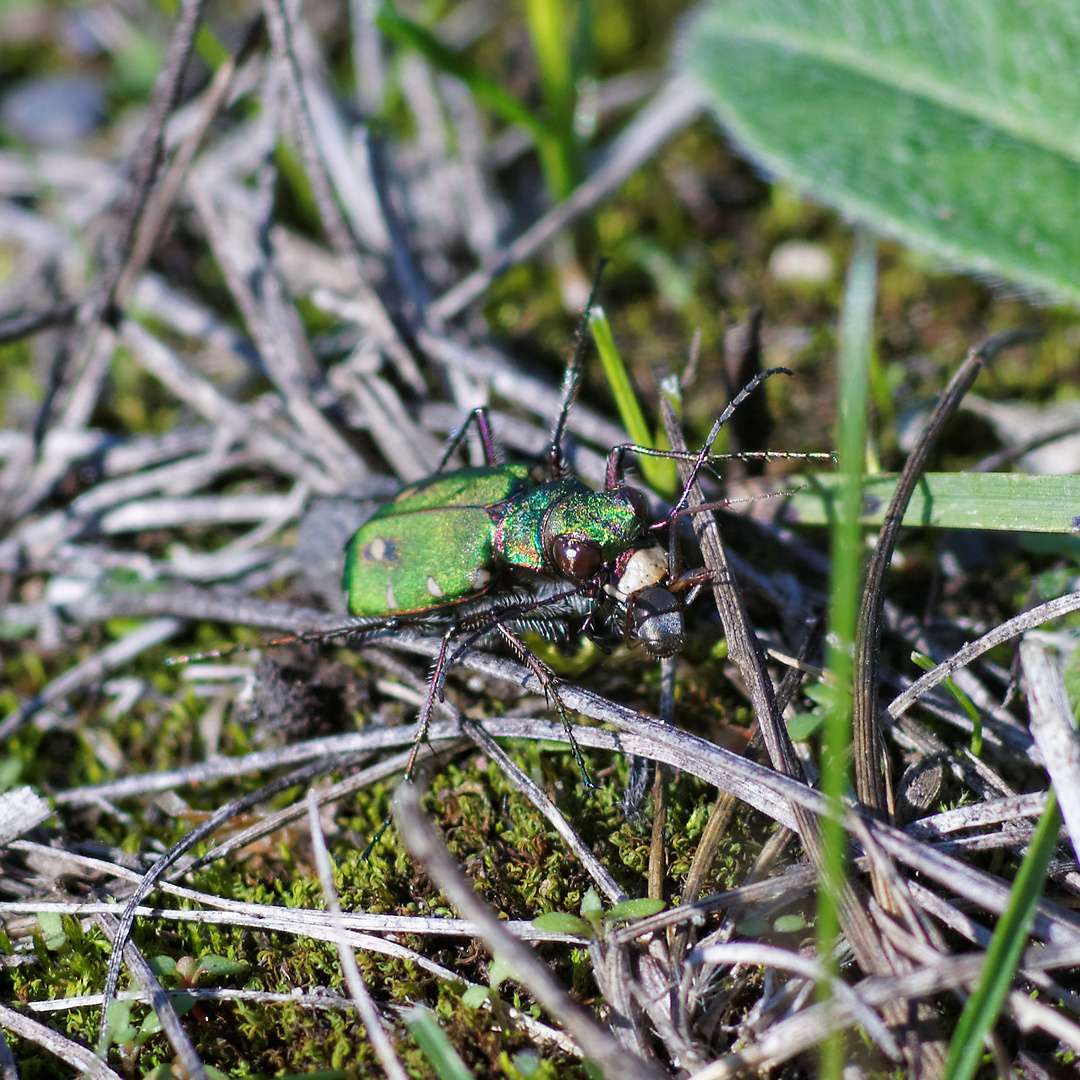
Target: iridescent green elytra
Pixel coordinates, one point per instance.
(444, 540)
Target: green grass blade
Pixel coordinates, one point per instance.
(550, 30)
(407, 33)
(1006, 947)
(487, 92)
(1012, 502)
(953, 127)
(965, 703)
(436, 1047)
(856, 337)
(659, 474)
(551, 26)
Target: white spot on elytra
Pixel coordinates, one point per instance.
(391, 600)
(376, 550)
(480, 579)
(433, 587)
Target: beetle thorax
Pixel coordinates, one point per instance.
(566, 529)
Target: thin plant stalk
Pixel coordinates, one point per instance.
(487, 92)
(856, 327)
(659, 473)
(551, 26)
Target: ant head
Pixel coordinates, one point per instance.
(658, 621)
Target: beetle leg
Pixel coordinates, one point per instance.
(438, 676)
(703, 457)
(549, 682)
(572, 381)
(479, 416)
(614, 471)
(315, 636)
(435, 686)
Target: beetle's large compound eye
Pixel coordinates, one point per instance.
(638, 502)
(578, 559)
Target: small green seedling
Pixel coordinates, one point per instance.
(970, 708)
(121, 1032)
(187, 971)
(594, 921)
(53, 934)
(498, 972)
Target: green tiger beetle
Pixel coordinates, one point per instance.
(447, 547)
(459, 538)
(499, 549)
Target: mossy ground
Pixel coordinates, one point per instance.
(690, 236)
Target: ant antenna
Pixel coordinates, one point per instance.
(572, 379)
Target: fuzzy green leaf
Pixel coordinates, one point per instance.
(213, 964)
(953, 127)
(636, 909)
(499, 970)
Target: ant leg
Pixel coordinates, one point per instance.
(694, 580)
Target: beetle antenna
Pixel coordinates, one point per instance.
(703, 457)
(572, 379)
(360, 626)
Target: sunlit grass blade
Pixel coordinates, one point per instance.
(1011, 502)
(411, 35)
(1006, 947)
(658, 473)
(965, 703)
(856, 337)
(551, 26)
